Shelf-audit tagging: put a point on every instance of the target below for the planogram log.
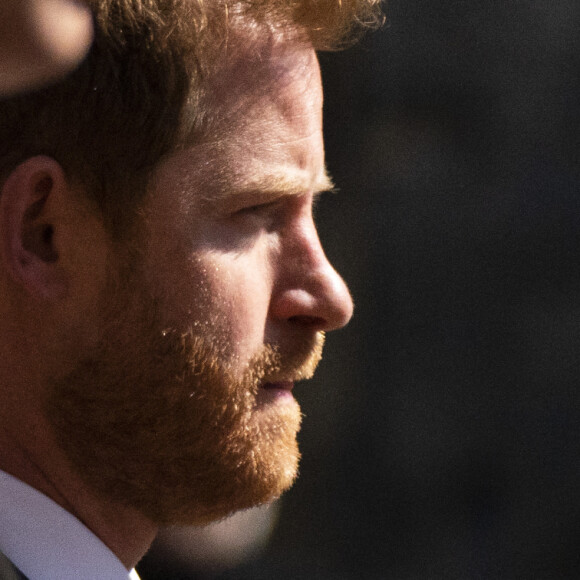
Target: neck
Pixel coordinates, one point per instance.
(39, 463)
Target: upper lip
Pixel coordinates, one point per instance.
(279, 384)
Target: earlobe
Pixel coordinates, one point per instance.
(27, 229)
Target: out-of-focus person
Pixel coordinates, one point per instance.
(41, 41)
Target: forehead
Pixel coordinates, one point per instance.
(262, 70)
(266, 104)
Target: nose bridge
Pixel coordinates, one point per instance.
(313, 289)
(316, 262)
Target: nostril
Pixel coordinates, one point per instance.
(311, 321)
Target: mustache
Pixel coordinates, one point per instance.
(292, 364)
(273, 363)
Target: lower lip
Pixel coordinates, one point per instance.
(273, 391)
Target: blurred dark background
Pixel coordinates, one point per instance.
(442, 432)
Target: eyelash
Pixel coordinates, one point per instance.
(259, 207)
(263, 209)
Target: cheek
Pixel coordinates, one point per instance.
(222, 291)
(240, 288)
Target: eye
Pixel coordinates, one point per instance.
(260, 216)
(256, 208)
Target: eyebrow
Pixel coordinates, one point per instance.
(281, 184)
(231, 189)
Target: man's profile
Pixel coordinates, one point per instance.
(162, 285)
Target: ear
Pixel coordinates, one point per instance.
(29, 201)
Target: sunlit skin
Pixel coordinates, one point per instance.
(250, 235)
(227, 251)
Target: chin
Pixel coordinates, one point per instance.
(176, 459)
(249, 471)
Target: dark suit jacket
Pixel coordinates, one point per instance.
(8, 571)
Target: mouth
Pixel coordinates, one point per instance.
(270, 392)
(282, 385)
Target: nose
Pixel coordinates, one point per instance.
(308, 290)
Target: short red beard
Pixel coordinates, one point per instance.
(156, 419)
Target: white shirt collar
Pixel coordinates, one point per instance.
(46, 542)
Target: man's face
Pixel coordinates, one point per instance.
(184, 409)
